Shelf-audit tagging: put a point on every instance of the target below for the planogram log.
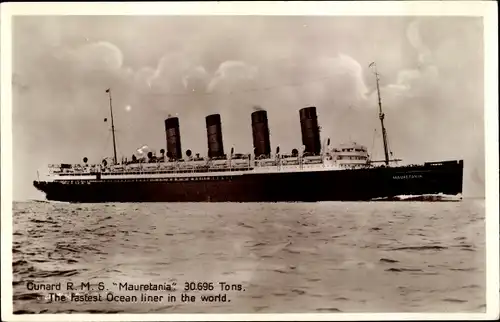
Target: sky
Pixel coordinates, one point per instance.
(431, 78)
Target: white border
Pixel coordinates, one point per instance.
(486, 9)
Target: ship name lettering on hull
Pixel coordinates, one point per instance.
(407, 176)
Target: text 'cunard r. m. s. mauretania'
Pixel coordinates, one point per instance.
(318, 172)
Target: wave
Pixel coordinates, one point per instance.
(357, 246)
(47, 201)
(425, 247)
(440, 197)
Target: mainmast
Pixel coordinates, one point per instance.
(112, 125)
(381, 115)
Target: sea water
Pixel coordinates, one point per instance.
(249, 258)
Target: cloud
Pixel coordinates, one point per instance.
(100, 56)
(231, 75)
(194, 76)
(101, 64)
(143, 78)
(313, 79)
(348, 71)
(175, 73)
(423, 80)
(414, 38)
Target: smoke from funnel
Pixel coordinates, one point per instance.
(143, 151)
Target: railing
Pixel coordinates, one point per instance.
(228, 165)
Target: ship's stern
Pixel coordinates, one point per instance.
(40, 185)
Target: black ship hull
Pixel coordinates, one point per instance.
(300, 186)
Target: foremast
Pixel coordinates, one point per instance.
(381, 114)
(112, 125)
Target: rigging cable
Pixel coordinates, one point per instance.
(373, 143)
(106, 145)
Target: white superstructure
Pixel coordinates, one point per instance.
(345, 156)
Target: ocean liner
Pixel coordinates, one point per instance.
(318, 172)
